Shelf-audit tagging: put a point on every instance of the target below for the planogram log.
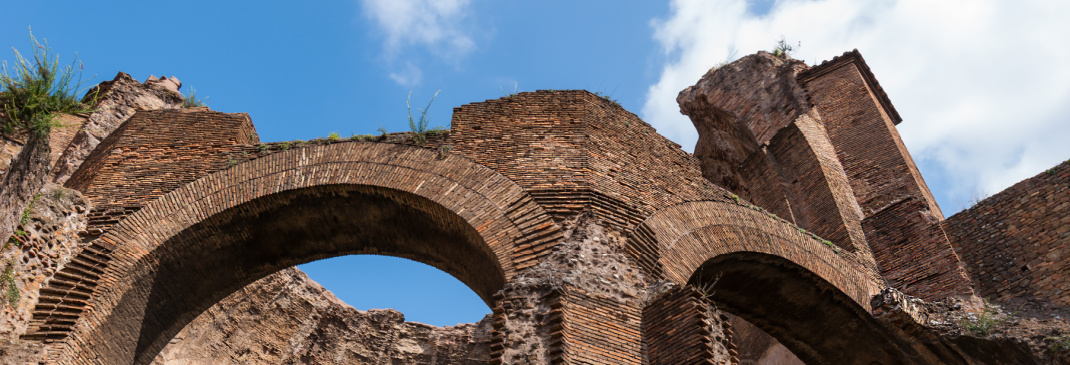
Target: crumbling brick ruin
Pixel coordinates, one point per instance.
(800, 231)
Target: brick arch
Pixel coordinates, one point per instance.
(813, 298)
(235, 226)
(675, 241)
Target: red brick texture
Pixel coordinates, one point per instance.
(825, 155)
(1016, 244)
(596, 330)
(499, 216)
(192, 212)
(687, 235)
(573, 150)
(677, 330)
(860, 121)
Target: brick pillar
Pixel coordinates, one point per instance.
(681, 327)
(900, 217)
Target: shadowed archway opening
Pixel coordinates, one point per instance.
(817, 322)
(213, 258)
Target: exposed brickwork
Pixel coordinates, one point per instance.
(118, 99)
(859, 121)
(689, 234)
(911, 247)
(487, 202)
(680, 327)
(1016, 244)
(597, 330)
(785, 162)
(828, 159)
(572, 150)
(153, 153)
(861, 124)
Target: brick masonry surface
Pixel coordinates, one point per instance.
(191, 208)
(817, 146)
(680, 327)
(1016, 244)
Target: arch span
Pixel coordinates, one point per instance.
(189, 249)
(812, 297)
(675, 241)
(811, 317)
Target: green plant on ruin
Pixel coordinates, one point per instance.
(261, 148)
(984, 321)
(382, 132)
(784, 50)
(444, 150)
(192, 101)
(1060, 342)
(8, 285)
(606, 97)
(20, 235)
(418, 126)
(507, 94)
(33, 92)
(334, 137)
(706, 288)
(284, 146)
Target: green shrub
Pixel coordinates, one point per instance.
(7, 281)
(783, 49)
(985, 321)
(191, 100)
(33, 93)
(334, 136)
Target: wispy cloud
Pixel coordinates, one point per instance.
(982, 89)
(436, 25)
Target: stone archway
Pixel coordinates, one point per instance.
(193, 246)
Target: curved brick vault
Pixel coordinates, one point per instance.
(190, 248)
(482, 203)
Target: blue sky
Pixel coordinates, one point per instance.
(982, 89)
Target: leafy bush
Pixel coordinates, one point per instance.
(191, 100)
(34, 92)
(783, 49)
(418, 126)
(984, 322)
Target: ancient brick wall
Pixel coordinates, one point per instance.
(898, 209)
(573, 150)
(860, 122)
(1017, 243)
(155, 152)
(680, 327)
(597, 330)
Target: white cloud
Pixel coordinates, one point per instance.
(409, 75)
(982, 87)
(437, 25)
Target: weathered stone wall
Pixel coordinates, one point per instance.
(118, 99)
(1017, 243)
(900, 214)
(56, 218)
(286, 318)
(58, 139)
(580, 304)
(155, 152)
